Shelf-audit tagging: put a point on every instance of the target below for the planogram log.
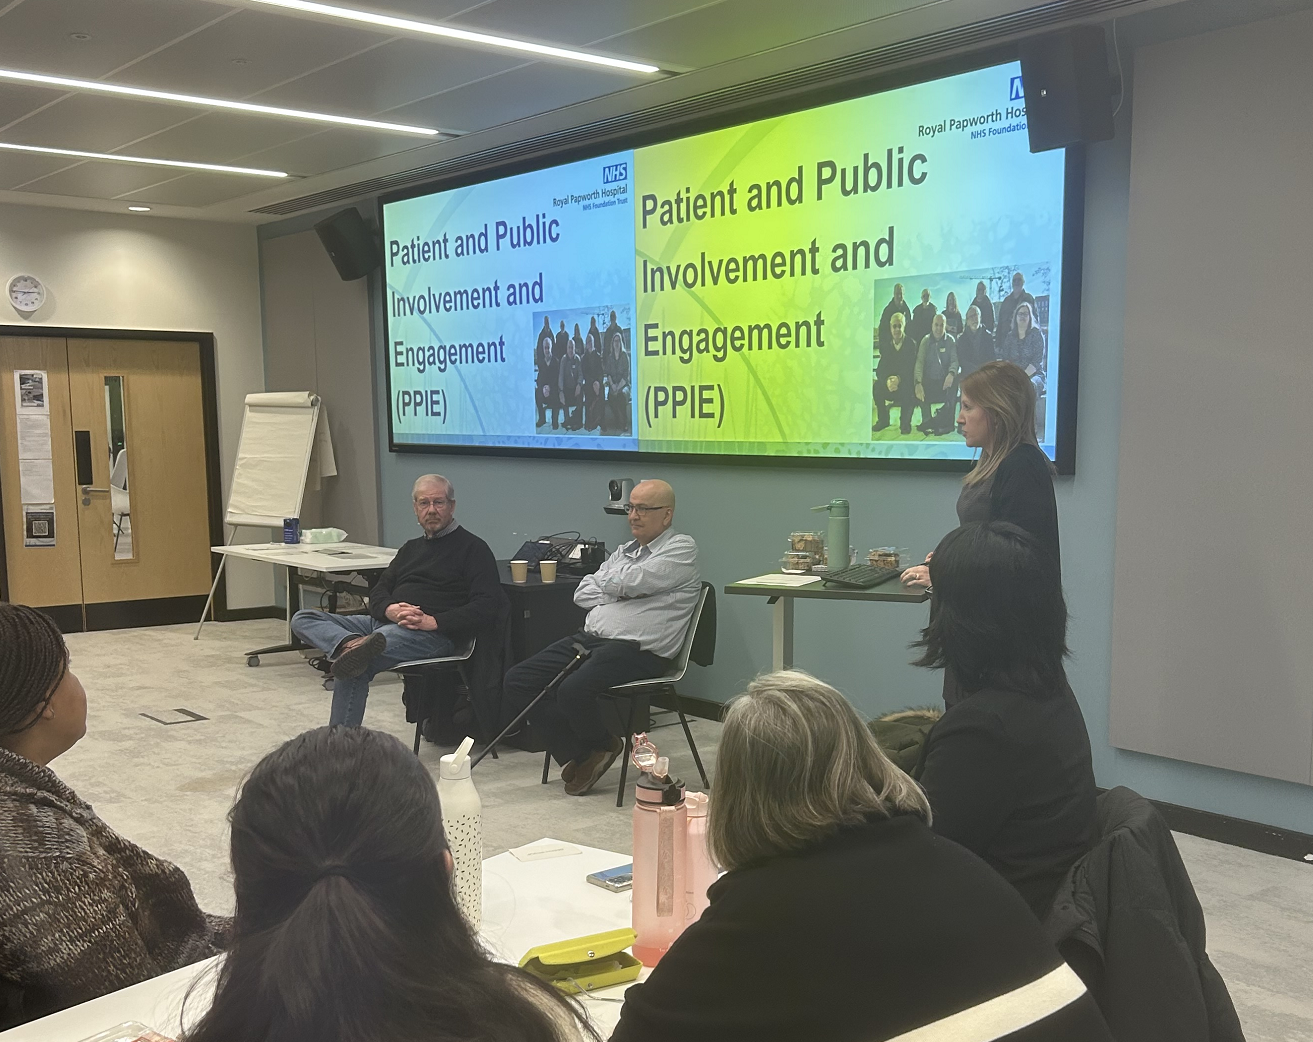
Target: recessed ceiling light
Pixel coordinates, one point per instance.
(80, 37)
(139, 209)
(178, 163)
(211, 103)
(464, 35)
(241, 61)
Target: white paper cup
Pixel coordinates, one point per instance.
(547, 571)
(519, 571)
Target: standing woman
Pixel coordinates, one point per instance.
(1012, 480)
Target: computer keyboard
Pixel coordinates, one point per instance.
(862, 576)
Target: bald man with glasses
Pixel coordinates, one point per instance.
(639, 606)
(442, 587)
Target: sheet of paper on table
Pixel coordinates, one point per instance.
(780, 579)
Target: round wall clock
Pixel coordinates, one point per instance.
(26, 293)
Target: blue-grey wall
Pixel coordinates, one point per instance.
(741, 516)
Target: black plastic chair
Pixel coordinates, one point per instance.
(429, 669)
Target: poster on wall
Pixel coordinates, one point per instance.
(36, 476)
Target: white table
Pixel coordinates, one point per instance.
(337, 559)
(524, 904)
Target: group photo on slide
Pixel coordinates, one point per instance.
(583, 371)
(922, 349)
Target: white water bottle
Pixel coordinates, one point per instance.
(462, 819)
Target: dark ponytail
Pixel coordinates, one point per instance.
(33, 661)
(346, 928)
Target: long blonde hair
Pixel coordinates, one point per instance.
(1006, 394)
(796, 763)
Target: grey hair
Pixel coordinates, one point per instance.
(433, 479)
(796, 763)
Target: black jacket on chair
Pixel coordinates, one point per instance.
(1127, 918)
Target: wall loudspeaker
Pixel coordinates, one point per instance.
(350, 244)
(1068, 88)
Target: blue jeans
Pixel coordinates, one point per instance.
(326, 632)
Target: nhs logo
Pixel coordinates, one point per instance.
(615, 172)
(1015, 91)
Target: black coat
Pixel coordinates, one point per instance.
(1127, 917)
(1010, 777)
(894, 307)
(986, 308)
(1022, 493)
(900, 363)
(875, 931)
(922, 317)
(975, 347)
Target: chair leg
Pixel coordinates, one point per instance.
(692, 745)
(419, 729)
(626, 753)
(547, 765)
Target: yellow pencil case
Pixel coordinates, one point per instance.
(584, 964)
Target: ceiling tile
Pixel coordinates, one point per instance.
(388, 77)
(223, 137)
(18, 99)
(737, 28)
(575, 24)
(327, 150)
(272, 48)
(19, 167)
(35, 36)
(97, 180)
(96, 123)
(200, 189)
(513, 95)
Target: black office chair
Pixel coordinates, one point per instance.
(639, 693)
(427, 670)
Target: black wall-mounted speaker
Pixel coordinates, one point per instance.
(1068, 88)
(350, 244)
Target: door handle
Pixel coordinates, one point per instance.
(87, 490)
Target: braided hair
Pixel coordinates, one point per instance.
(33, 661)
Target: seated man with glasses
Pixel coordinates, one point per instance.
(442, 587)
(639, 606)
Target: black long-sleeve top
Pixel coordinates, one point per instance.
(881, 929)
(452, 577)
(1009, 776)
(1022, 493)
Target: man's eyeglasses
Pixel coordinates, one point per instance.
(635, 508)
(424, 504)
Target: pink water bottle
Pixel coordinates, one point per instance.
(660, 835)
(701, 871)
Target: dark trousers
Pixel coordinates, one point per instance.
(616, 413)
(939, 410)
(593, 404)
(901, 398)
(570, 721)
(573, 418)
(544, 405)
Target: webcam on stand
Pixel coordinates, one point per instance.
(618, 490)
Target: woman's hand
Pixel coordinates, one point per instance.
(917, 575)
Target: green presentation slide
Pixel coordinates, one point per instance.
(813, 284)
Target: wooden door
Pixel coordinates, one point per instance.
(166, 481)
(43, 576)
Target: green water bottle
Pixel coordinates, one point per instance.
(836, 541)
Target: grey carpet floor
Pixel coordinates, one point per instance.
(168, 787)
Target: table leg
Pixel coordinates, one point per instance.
(782, 633)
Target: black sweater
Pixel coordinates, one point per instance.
(1022, 493)
(878, 930)
(454, 578)
(1009, 776)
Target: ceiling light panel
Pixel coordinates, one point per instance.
(459, 35)
(147, 94)
(175, 164)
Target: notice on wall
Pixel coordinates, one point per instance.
(39, 524)
(36, 475)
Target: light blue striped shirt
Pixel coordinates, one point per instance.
(644, 593)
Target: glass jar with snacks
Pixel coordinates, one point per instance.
(883, 557)
(796, 562)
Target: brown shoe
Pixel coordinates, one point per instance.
(589, 771)
(569, 771)
(352, 662)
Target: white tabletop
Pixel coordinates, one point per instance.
(327, 558)
(525, 904)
